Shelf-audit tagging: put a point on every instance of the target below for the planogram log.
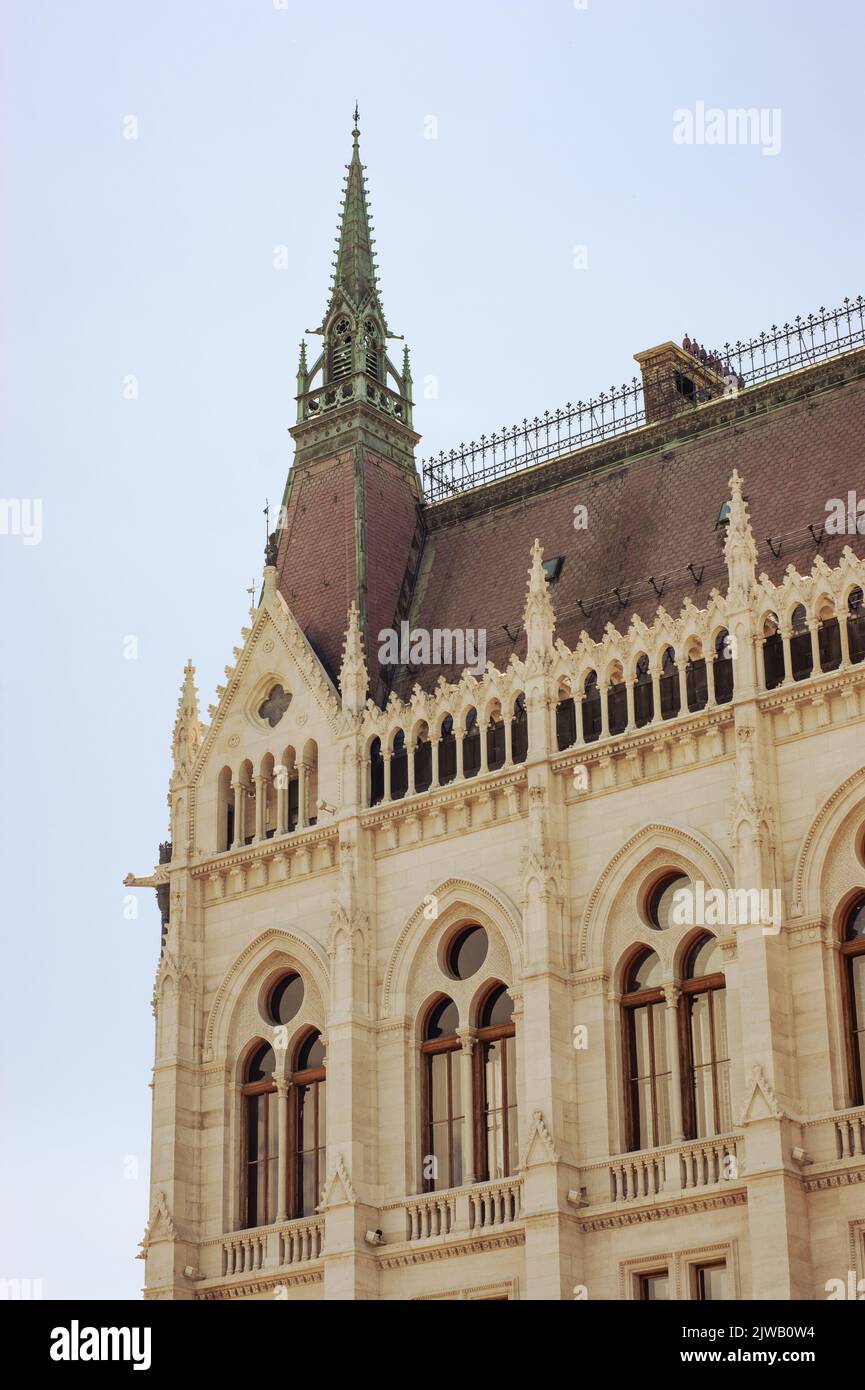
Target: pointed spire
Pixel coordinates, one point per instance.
(354, 268)
(353, 674)
(740, 550)
(539, 619)
(186, 739)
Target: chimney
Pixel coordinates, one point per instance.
(676, 378)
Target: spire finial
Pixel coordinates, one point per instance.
(356, 131)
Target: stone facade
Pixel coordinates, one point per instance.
(359, 889)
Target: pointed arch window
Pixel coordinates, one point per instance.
(370, 342)
(307, 1121)
(340, 350)
(496, 1087)
(706, 1100)
(442, 1099)
(853, 964)
(260, 1139)
(647, 1064)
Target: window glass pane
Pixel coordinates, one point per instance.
(701, 1049)
(443, 1020)
(468, 952)
(261, 1065)
(856, 923)
(498, 1009)
(712, 1283)
(310, 1054)
(640, 1035)
(645, 973)
(655, 1288)
(286, 999)
(725, 1108)
(705, 959)
(857, 970)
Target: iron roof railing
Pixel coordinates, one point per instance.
(826, 334)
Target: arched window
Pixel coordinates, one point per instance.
(422, 759)
(566, 718)
(773, 652)
(471, 745)
(496, 1087)
(670, 700)
(260, 1139)
(617, 702)
(722, 668)
(496, 739)
(829, 639)
(225, 811)
(307, 1117)
(447, 751)
(340, 350)
(706, 1076)
(853, 962)
(441, 1097)
(644, 699)
(591, 708)
(398, 767)
(647, 1064)
(370, 342)
(696, 680)
(520, 731)
(376, 773)
(856, 625)
(801, 657)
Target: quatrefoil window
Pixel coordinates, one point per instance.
(274, 706)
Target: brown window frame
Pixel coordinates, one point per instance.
(249, 1091)
(644, 1275)
(699, 1273)
(630, 1003)
(316, 1078)
(495, 1033)
(850, 950)
(703, 984)
(429, 1049)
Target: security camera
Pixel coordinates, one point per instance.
(577, 1198)
(374, 1238)
(192, 1273)
(800, 1156)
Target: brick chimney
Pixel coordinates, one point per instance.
(677, 378)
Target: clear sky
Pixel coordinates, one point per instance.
(154, 258)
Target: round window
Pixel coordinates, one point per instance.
(467, 952)
(285, 999)
(663, 899)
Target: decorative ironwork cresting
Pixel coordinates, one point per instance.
(828, 333)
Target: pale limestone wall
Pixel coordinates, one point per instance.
(764, 790)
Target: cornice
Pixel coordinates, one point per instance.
(404, 1260)
(616, 1221)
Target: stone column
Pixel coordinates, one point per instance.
(629, 691)
(509, 740)
(844, 635)
(435, 742)
(458, 735)
(410, 750)
(281, 800)
(239, 814)
(386, 759)
(467, 1046)
(603, 691)
(260, 805)
(283, 1088)
(682, 668)
(788, 660)
(656, 695)
(302, 783)
(814, 629)
(672, 996)
(482, 728)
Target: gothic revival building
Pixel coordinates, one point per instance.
(522, 955)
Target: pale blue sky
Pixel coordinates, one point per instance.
(154, 257)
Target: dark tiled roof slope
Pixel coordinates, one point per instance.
(653, 498)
